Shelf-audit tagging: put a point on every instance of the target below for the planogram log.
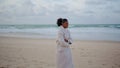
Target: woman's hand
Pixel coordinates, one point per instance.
(66, 40)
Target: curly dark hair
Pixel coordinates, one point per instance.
(60, 21)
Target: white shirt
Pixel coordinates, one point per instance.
(63, 34)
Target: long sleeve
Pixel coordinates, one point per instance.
(70, 39)
(61, 39)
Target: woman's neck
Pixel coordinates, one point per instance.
(63, 27)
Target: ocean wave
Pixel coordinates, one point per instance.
(55, 26)
(78, 31)
(95, 26)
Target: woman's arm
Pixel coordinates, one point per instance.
(70, 39)
(62, 40)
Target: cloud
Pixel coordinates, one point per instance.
(95, 2)
(16, 7)
(76, 10)
(102, 7)
(57, 6)
(40, 7)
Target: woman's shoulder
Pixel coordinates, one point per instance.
(60, 30)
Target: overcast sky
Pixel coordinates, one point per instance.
(47, 11)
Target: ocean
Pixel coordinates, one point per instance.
(104, 32)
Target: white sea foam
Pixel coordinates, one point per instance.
(81, 32)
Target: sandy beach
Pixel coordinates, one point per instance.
(41, 53)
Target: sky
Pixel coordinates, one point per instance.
(48, 11)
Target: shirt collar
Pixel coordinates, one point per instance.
(62, 27)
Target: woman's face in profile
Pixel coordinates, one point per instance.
(65, 24)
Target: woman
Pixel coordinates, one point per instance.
(64, 57)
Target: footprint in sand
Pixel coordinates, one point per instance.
(3, 67)
(118, 65)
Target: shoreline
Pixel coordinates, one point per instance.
(39, 36)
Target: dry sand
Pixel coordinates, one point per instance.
(41, 53)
